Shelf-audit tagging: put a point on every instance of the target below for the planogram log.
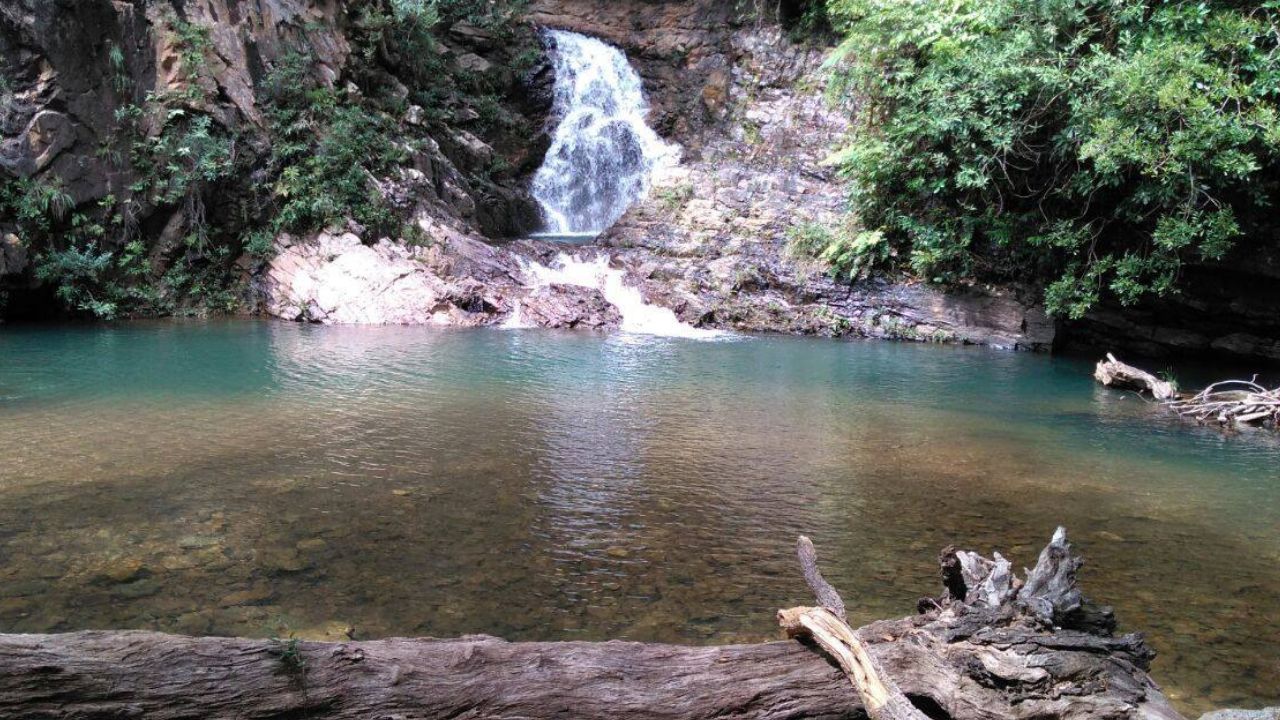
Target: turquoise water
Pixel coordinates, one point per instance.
(238, 477)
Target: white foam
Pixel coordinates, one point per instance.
(603, 154)
(638, 316)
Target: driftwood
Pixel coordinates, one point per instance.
(1113, 373)
(1232, 403)
(992, 647)
(827, 625)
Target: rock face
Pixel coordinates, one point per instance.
(85, 83)
(340, 280)
(570, 307)
(713, 240)
(459, 281)
(73, 64)
(1228, 309)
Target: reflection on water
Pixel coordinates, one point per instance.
(218, 478)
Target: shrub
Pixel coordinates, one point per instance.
(1094, 145)
(327, 152)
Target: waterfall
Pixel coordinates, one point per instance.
(602, 154)
(602, 159)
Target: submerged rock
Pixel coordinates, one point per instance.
(122, 570)
(332, 632)
(281, 561)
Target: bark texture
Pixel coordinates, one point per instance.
(957, 660)
(1113, 373)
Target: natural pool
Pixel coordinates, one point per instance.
(224, 477)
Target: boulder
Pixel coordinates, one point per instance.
(337, 279)
(570, 307)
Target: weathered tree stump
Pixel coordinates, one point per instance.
(992, 647)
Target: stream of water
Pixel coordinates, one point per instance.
(227, 477)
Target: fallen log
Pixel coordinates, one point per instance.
(881, 697)
(1113, 373)
(1031, 651)
(1229, 403)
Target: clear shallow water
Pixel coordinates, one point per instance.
(223, 478)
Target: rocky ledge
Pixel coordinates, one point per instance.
(715, 239)
(458, 280)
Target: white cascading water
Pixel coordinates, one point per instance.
(603, 155)
(638, 316)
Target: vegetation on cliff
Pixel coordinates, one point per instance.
(195, 191)
(1091, 146)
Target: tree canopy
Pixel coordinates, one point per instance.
(1092, 146)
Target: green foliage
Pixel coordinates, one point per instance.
(848, 250)
(1093, 144)
(35, 206)
(181, 162)
(259, 244)
(286, 646)
(90, 257)
(327, 152)
(494, 15)
(675, 197)
(77, 273)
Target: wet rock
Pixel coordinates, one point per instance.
(13, 255)
(196, 542)
(27, 588)
(618, 552)
(570, 307)
(311, 545)
(137, 589)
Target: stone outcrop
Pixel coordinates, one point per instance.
(569, 307)
(713, 241)
(1225, 309)
(337, 279)
(458, 281)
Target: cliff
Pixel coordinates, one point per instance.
(151, 148)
